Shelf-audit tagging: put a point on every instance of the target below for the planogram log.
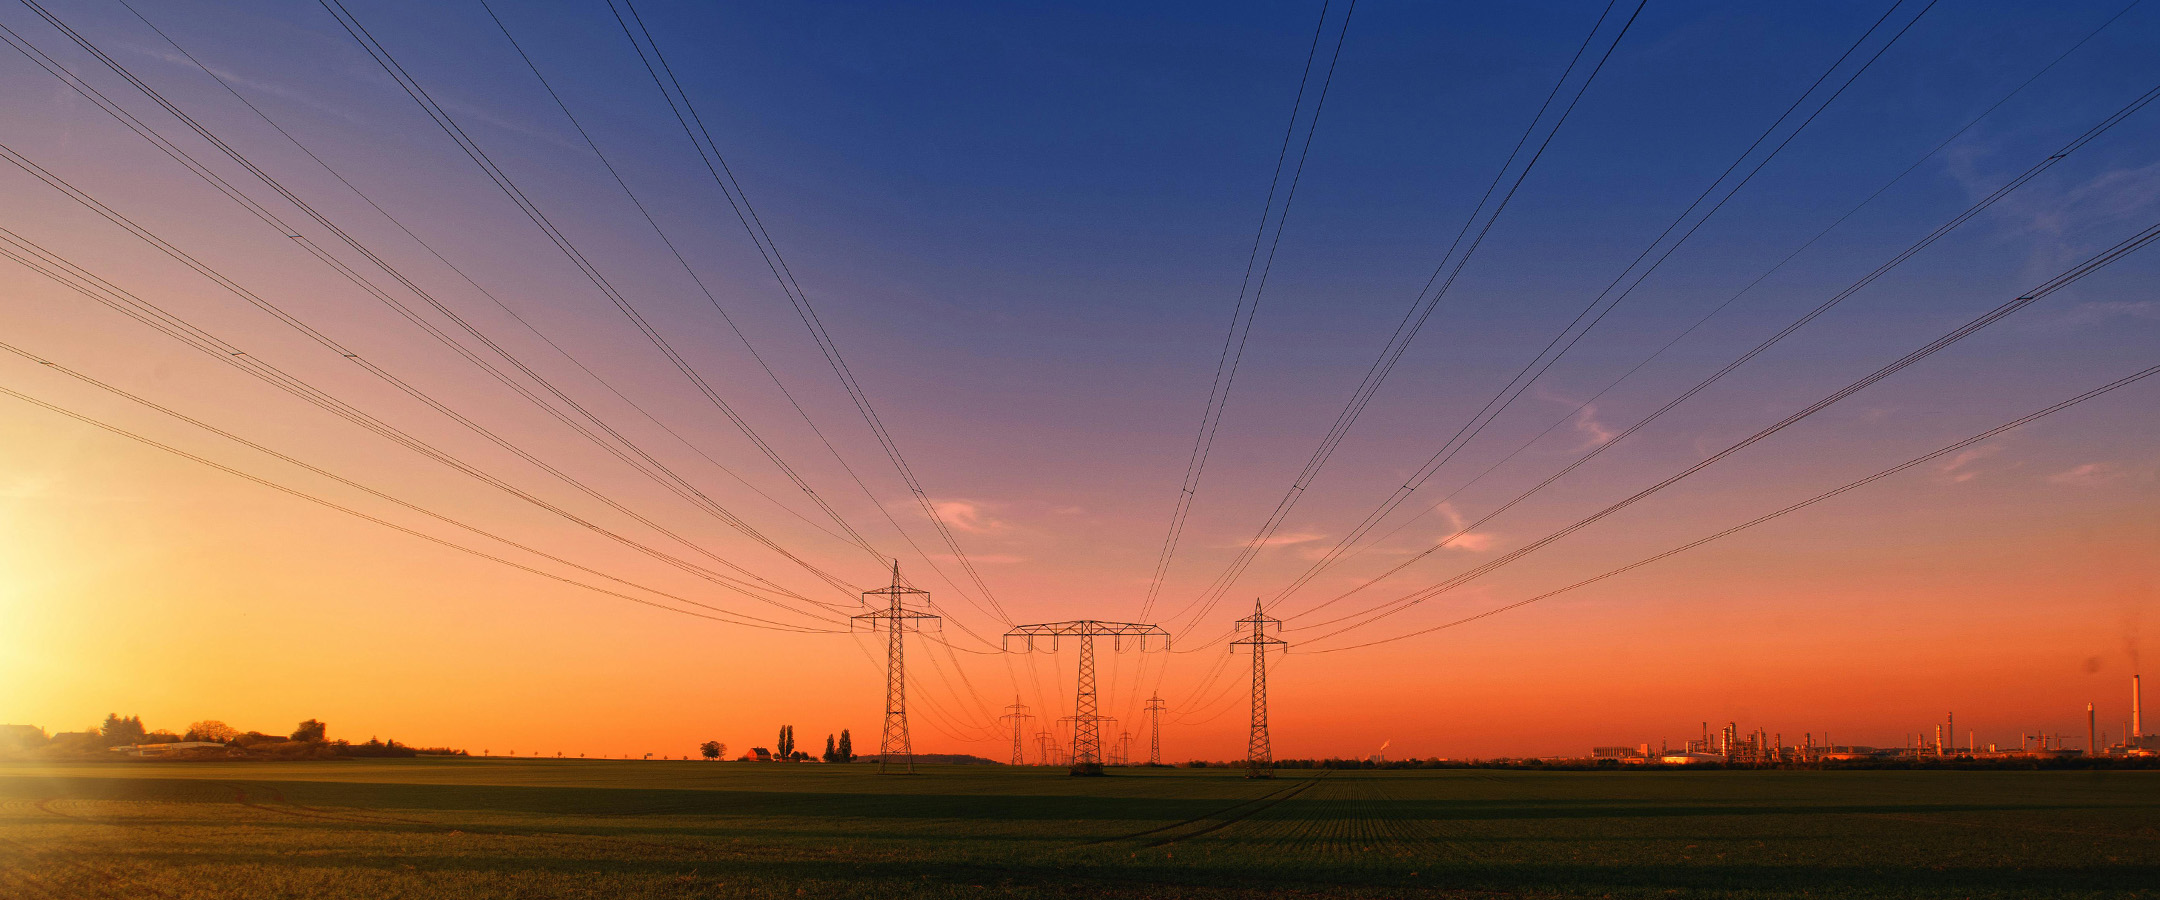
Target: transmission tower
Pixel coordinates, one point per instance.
(1043, 740)
(1124, 748)
(1019, 716)
(1259, 756)
(896, 620)
(1154, 743)
(1087, 757)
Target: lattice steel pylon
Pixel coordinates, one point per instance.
(1104, 755)
(896, 620)
(1154, 741)
(1087, 757)
(1259, 754)
(1124, 748)
(1019, 716)
(1042, 746)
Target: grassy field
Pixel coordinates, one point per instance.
(532, 829)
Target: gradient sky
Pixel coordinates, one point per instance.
(1025, 228)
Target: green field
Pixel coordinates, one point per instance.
(530, 829)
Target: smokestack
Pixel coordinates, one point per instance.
(2137, 701)
(2092, 746)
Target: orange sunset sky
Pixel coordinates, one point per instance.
(1025, 232)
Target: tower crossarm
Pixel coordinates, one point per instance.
(1116, 631)
(1086, 720)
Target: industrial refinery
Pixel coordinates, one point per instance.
(1937, 741)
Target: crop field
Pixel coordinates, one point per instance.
(533, 829)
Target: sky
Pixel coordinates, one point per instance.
(1026, 231)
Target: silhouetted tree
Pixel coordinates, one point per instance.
(846, 749)
(785, 747)
(312, 731)
(712, 749)
(117, 730)
(831, 754)
(211, 730)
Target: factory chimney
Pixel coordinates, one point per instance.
(2137, 699)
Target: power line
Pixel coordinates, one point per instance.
(502, 180)
(714, 302)
(282, 457)
(650, 467)
(1779, 513)
(82, 282)
(1415, 317)
(721, 616)
(731, 187)
(1547, 356)
(1729, 301)
(676, 252)
(2062, 280)
(1241, 314)
(1941, 231)
(468, 279)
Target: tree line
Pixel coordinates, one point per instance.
(206, 739)
(838, 749)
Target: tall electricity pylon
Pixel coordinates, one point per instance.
(1259, 755)
(1019, 717)
(1154, 742)
(1043, 739)
(896, 620)
(1124, 748)
(1106, 754)
(1087, 757)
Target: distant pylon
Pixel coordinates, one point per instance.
(1124, 748)
(896, 620)
(1087, 756)
(1154, 743)
(1042, 747)
(1019, 717)
(1259, 755)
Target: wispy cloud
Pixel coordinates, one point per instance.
(1470, 541)
(1586, 422)
(1960, 468)
(247, 85)
(2100, 311)
(967, 516)
(2087, 475)
(1289, 539)
(1593, 431)
(2096, 205)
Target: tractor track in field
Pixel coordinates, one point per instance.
(45, 806)
(29, 885)
(1234, 812)
(110, 883)
(1924, 820)
(286, 807)
(1228, 816)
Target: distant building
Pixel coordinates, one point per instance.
(1689, 758)
(165, 748)
(21, 737)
